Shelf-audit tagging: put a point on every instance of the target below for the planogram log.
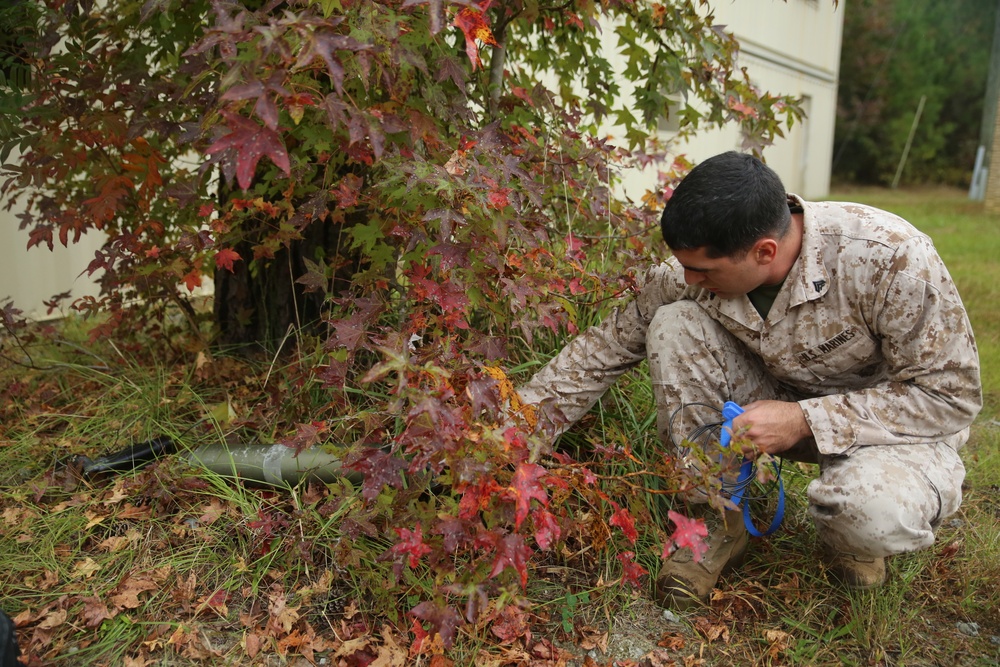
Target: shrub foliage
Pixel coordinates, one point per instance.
(427, 188)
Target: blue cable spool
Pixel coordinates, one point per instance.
(730, 411)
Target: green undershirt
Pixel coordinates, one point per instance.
(763, 298)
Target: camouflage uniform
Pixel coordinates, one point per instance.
(868, 334)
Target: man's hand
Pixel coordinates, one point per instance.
(772, 426)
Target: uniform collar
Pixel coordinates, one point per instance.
(808, 279)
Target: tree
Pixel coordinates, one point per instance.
(893, 53)
(313, 112)
(427, 181)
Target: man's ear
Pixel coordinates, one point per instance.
(764, 251)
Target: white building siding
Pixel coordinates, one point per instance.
(789, 48)
(30, 277)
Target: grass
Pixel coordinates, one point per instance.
(178, 566)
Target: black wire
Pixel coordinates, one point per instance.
(714, 429)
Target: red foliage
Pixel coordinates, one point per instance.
(525, 487)
(622, 518)
(411, 543)
(225, 258)
(632, 572)
(471, 21)
(690, 533)
(460, 213)
(246, 143)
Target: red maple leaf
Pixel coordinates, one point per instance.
(411, 543)
(623, 519)
(105, 205)
(444, 619)
(347, 191)
(690, 533)
(419, 637)
(39, 235)
(380, 469)
(511, 624)
(498, 198)
(525, 486)
(192, 279)
(251, 142)
(547, 528)
(455, 532)
(741, 108)
(224, 259)
(306, 436)
(631, 571)
(512, 552)
(470, 21)
(476, 496)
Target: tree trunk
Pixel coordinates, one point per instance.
(259, 303)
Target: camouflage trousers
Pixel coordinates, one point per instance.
(877, 501)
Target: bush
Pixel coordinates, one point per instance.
(429, 210)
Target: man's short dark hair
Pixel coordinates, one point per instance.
(725, 205)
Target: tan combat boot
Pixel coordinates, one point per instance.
(682, 582)
(854, 571)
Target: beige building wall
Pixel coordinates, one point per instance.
(30, 277)
(789, 47)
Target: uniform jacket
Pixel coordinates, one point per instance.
(868, 329)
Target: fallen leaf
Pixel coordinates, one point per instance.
(671, 640)
(251, 644)
(130, 511)
(184, 590)
(591, 638)
(49, 579)
(778, 640)
(352, 646)
(711, 631)
(511, 624)
(283, 617)
(658, 658)
(86, 568)
(390, 653)
(212, 512)
(114, 543)
(96, 612)
(53, 620)
(216, 602)
(127, 596)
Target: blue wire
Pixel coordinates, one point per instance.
(748, 471)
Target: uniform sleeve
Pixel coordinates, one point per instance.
(932, 391)
(573, 381)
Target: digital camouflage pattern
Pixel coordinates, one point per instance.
(868, 334)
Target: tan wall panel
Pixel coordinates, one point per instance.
(30, 277)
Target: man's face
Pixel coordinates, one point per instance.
(726, 277)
